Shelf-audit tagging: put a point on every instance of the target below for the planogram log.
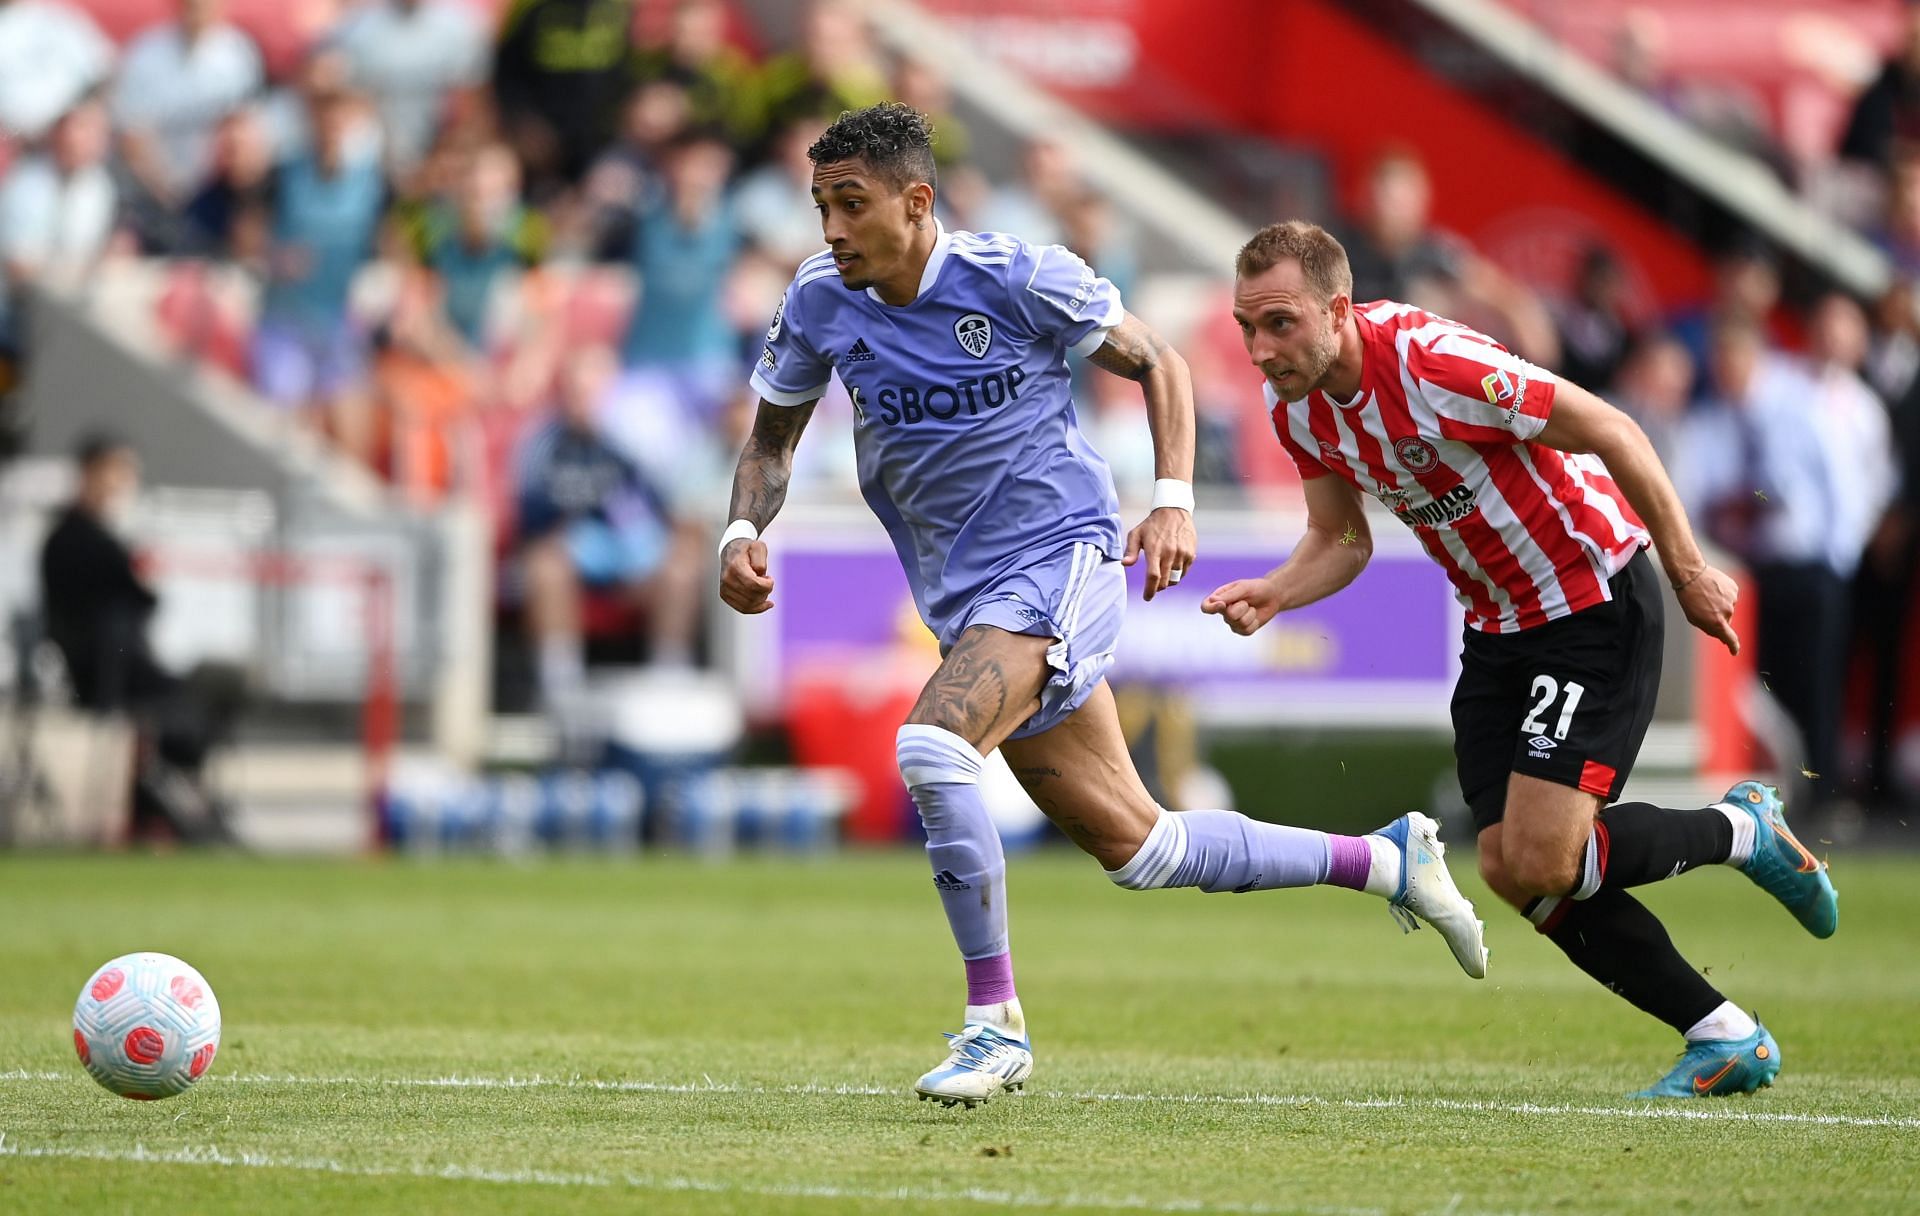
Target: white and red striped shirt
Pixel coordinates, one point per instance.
(1441, 432)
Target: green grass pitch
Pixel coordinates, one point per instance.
(666, 1036)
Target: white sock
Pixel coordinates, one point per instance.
(1006, 1016)
(1383, 877)
(1729, 1021)
(563, 668)
(1744, 826)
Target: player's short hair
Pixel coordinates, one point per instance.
(892, 139)
(1322, 259)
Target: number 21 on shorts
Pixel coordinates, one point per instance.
(1546, 690)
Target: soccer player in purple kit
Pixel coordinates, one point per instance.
(953, 346)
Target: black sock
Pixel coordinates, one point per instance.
(1616, 940)
(1639, 843)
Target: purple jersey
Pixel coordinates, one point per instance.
(970, 452)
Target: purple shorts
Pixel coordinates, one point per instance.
(294, 366)
(1077, 596)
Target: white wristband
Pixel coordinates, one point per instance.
(739, 529)
(1172, 492)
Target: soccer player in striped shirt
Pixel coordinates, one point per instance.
(1538, 499)
(953, 347)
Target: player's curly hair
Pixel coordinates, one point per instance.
(892, 139)
(1323, 260)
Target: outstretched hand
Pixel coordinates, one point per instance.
(1165, 541)
(1708, 600)
(744, 584)
(1244, 604)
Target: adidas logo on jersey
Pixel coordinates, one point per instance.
(947, 880)
(859, 352)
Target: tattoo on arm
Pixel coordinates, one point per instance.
(1131, 350)
(766, 462)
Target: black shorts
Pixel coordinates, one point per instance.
(1567, 702)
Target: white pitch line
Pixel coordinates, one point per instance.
(1716, 1113)
(210, 1156)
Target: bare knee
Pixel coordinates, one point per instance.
(1537, 866)
(1493, 868)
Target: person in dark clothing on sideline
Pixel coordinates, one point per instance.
(97, 607)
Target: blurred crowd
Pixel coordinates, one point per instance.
(526, 256)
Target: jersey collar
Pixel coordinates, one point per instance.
(942, 245)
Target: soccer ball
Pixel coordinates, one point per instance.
(146, 1026)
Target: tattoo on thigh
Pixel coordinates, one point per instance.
(1036, 774)
(967, 695)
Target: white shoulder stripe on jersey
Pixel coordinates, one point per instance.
(1387, 310)
(809, 276)
(778, 396)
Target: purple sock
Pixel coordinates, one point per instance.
(942, 772)
(990, 980)
(1349, 862)
(1226, 851)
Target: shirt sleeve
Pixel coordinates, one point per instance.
(1303, 458)
(1479, 391)
(789, 370)
(1055, 293)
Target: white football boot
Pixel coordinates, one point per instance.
(984, 1062)
(1427, 892)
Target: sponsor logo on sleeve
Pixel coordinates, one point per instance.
(768, 359)
(1498, 386)
(1503, 389)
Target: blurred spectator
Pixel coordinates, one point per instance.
(1593, 325)
(1898, 232)
(616, 186)
(964, 198)
(480, 240)
(1090, 229)
(288, 110)
(918, 84)
(1722, 108)
(1654, 386)
(834, 69)
(57, 208)
(1887, 114)
(308, 354)
(51, 55)
(176, 83)
(232, 214)
(410, 57)
(1031, 207)
(589, 519)
(774, 203)
(1790, 467)
(561, 71)
(1746, 288)
(683, 252)
(97, 608)
(1884, 591)
(1893, 351)
(717, 78)
(1396, 253)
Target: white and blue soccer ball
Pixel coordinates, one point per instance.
(146, 1026)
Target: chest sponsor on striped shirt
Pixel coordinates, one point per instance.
(1449, 508)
